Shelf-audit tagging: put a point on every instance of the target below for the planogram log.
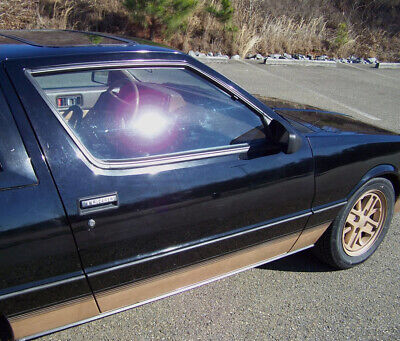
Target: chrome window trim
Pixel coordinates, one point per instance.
(329, 207)
(152, 160)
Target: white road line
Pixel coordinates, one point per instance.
(354, 110)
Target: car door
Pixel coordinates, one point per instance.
(39, 262)
(146, 200)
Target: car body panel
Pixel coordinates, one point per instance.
(37, 248)
(175, 214)
(15, 166)
(347, 153)
(75, 312)
(331, 122)
(342, 161)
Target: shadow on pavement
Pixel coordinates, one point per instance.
(299, 262)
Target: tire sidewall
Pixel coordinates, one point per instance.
(345, 260)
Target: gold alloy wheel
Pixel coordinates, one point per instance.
(364, 223)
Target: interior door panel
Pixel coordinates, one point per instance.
(89, 95)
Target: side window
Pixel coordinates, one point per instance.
(15, 165)
(135, 112)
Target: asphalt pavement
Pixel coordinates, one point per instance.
(298, 297)
(370, 94)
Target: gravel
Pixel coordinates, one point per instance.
(287, 56)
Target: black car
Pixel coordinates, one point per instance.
(130, 172)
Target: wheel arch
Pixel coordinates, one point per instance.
(386, 171)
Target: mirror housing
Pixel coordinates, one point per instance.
(288, 139)
(294, 143)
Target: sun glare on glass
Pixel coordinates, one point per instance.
(150, 123)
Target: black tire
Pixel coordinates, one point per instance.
(333, 247)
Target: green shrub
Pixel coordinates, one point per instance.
(342, 35)
(223, 13)
(168, 15)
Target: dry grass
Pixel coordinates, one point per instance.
(263, 26)
(58, 15)
(93, 15)
(203, 32)
(260, 31)
(18, 14)
(285, 34)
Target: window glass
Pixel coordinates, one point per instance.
(69, 80)
(140, 112)
(164, 76)
(15, 165)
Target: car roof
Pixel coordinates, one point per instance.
(21, 44)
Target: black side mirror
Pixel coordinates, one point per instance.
(289, 141)
(294, 143)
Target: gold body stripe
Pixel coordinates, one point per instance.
(195, 274)
(53, 317)
(310, 236)
(397, 206)
(172, 282)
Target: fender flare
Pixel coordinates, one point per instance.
(387, 171)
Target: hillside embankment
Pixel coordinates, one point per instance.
(338, 28)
